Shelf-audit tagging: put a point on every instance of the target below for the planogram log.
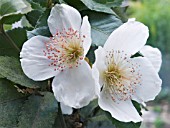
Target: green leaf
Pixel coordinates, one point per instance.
(36, 6)
(38, 112)
(10, 104)
(18, 36)
(9, 8)
(114, 3)
(42, 21)
(43, 3)
(93, 5)
(11, 19)
(1, 76)
(10, 68)
(102, 26)
(90, 55)
(79, 4)
(99, 120)
(43, 31)
(33, 16)
(86, 111)
(101, 1)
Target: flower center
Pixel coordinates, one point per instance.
(65, 49)
(121, 76)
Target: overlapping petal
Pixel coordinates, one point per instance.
(125, 41)
(150, 81)
(34, 64)
(86, 34)
(66, 109)
(121, 110)
(154, 55)
(75, 87)
(63, 17)
(129, 37)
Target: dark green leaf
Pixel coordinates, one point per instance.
(90, 55)
(11, 19)
(44, 31)
(93, 5)
(10, 8)
(18, 36)
(79, 4)
(36, 6)
(10, 68)
(99, 120)
(101, 1)
(43, 3)
(33, 16)
(10, 104)
(86, 111)
(102, 26)
(38, 112)
(42, 21)
(114, 3)
(137, 106)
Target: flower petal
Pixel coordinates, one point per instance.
(96, 75)
(66, 109)
(150, 81)
(34, 64)
(63, 16)
(86, 34)
(99, 64)
(129, 37)
(121, 110)
(75, 87)
(100, 55)
(154, 55)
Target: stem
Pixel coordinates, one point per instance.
(63, 124)
(8, 38)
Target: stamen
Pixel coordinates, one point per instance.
(65, 49)
(122, 75)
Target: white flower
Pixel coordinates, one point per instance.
(121, 78)
(62, 56)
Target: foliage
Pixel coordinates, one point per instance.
(157, 21)
(36, 106)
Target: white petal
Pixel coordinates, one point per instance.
(129, 37)
(154, 55)
(99, 64)
(63, 16)
(122, 110)
(34, 64)
(150, 81)
(75, 87)
(66, 109)
(100, 55)
(96, 75)
(86, 34)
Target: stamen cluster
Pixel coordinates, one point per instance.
(65, 49)
(121, 76)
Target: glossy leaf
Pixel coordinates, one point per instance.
(43, 31)
(38, 112)
(18, 36)
(33, 17)
(10, 68)
(11, 7)
(10, 104)
(93, 5)
(102, 26)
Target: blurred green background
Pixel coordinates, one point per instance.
(156, 15)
